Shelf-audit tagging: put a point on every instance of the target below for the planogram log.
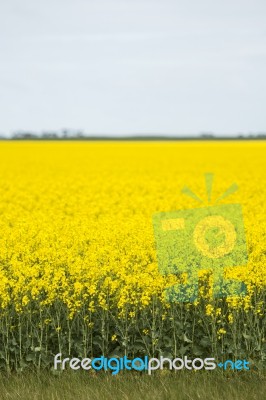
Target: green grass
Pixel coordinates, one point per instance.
(135, 386)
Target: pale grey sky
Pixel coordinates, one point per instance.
(133, 66)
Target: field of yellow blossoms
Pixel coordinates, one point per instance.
(78, 267)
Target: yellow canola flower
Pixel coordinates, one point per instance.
(76, 220)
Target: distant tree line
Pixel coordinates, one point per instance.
(70, 134)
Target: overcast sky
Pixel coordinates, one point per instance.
(133, 66)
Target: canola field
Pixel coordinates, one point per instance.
(78, 264)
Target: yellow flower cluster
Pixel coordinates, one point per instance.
(76, 219)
